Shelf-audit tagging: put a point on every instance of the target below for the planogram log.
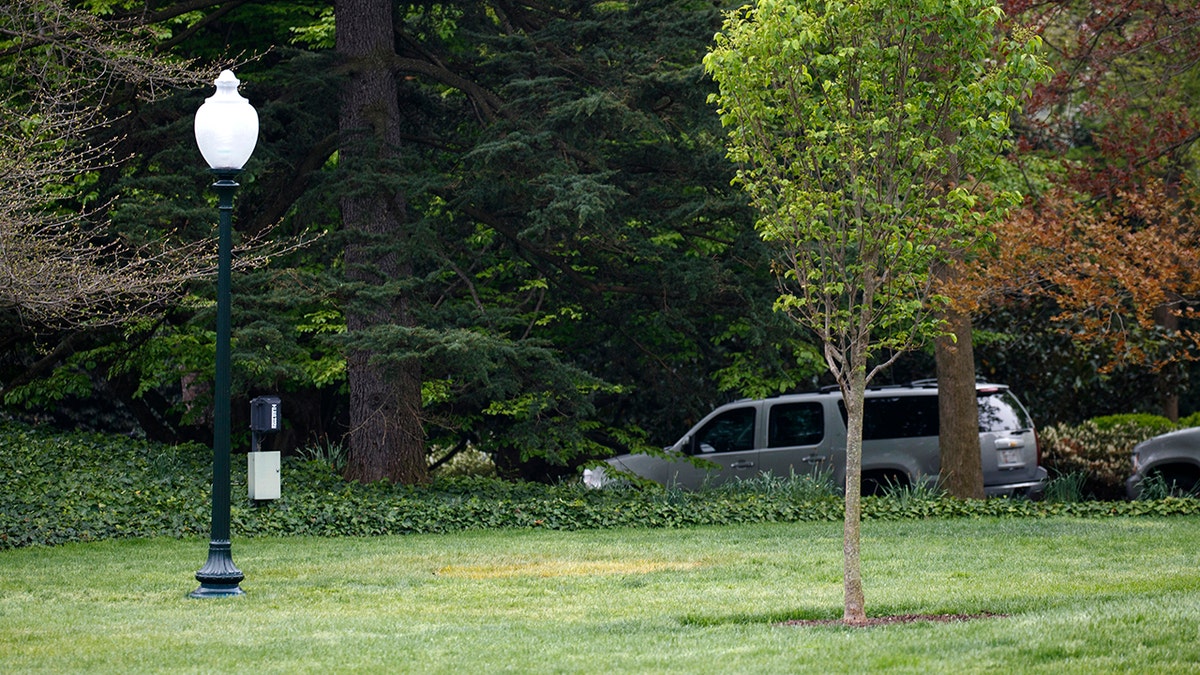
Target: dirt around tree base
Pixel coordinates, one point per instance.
(893, 619)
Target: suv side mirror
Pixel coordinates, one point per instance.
(690, 446)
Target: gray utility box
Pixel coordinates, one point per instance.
(262, 467)
(263, 475)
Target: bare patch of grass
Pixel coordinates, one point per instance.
(558, 568)
(872, 621)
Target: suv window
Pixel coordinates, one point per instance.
(1000, 411)
(900, 417)
(792, 424)
(914, 416)
(731, 431)
(897, 417)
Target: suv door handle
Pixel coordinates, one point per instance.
(743, 464)
(1009, 443)
(814, 459)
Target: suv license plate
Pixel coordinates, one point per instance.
(1010, 458)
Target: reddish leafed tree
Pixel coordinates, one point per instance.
(1108, 149)
(1106, 276)
(1121, 104)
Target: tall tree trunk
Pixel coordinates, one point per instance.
(386, 435)
(958, 408)
(1168, 375)
(954, 353)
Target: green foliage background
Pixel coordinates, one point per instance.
(582, 280)
(589, 280)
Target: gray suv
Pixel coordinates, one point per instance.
(806, 433)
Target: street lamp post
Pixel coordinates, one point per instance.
(226, 131)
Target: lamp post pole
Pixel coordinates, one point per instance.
(220, 576)
(226, 131)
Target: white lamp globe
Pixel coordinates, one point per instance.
(226, 126)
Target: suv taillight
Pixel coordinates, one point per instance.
(1037, 444)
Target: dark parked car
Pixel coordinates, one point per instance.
(1173, 458)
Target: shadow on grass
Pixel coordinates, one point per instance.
(745, 618)
(809, 618)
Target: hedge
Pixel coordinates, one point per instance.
(83, 487)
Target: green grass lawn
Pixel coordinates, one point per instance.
(1078, 595)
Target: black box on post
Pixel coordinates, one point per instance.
(264, 414)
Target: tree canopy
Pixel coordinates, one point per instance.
(578, 275)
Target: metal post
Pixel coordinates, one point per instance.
(220, 577)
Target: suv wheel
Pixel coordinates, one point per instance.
(1177, 480)
(879, 483)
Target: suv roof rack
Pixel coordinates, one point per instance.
(928, 383)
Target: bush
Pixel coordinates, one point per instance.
(467, 462)
(1152, 424)
(1099, 449)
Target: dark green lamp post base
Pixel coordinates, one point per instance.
(219, 577)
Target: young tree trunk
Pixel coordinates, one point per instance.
(958, 409)
(386, 436)
(852, 582)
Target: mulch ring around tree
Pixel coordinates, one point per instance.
(871, 621)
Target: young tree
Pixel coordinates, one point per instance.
(849, 121)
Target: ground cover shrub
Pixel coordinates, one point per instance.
(65, 487)
(84, 486)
